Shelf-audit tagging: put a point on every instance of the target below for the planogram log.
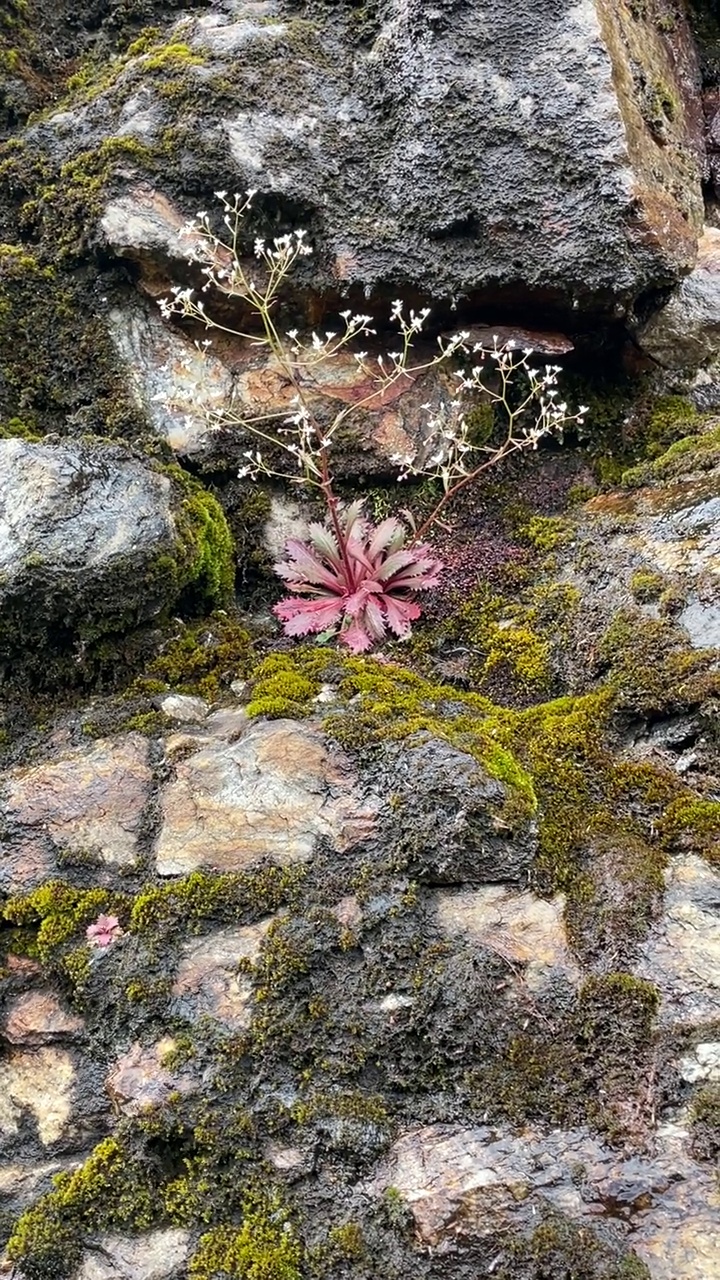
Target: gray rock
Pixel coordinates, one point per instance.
(155, 1256)
(207, 982)
(457, 824)
(90, 543)
(555, 154)
(682, 954)
(272, 794)
(522, 928)
(86, 804)
(473, 1183)
(177, 385)
(685, 332)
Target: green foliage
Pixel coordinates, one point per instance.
(61, 914)
(201, 897)
(264, 1247)
(590, 1061)
(208, 558)
(111, 1190)
(650, 666)
(545, 533)
(691, 822)
(690, 454)
(204, 658)
(646, 585)
(705, 1123)
(559, 1247)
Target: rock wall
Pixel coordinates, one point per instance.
(319, 967)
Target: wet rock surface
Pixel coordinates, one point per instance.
(86, 805)
(570, 84)
(470, 1182)
(314, 965)
(271, 794)
(71, 521)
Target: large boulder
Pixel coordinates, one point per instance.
(95, 541)
(553, 157)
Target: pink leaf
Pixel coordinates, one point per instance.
(389, 536)
(356, 638)
(103, 931)
(374, 619)
(301, 617)
(303, 564)
(399, 614)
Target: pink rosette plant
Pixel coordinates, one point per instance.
(355, 579)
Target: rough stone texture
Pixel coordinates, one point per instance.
(702, 1064)
(186, 710)
(207, 982)
(686, 331)
(176, 384)
(139, 1081)
(682, 954)
(464, 1183)
(581, 118)
(87, 802)
(522, 928)
(40, 1081)
(670, 528)
(449, 815)
(82, 530)
(38, 1018)
(271, 794)
(155, 1256)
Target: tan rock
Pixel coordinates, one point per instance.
(38, 1017)
(40, 1081)
(682, 954)
(139, 1080)
(207, 980)
(519, 926)
(150, 1257)
(271, 794)
(475, 1182)
(89, 800)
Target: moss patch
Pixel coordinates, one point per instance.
(264, 1247)
(113, 1189)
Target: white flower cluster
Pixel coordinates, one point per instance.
(526, 397)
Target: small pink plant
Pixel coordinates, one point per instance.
(356, 578)
(104, 931)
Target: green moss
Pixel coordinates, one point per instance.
(348, 1240)
(705, 1123)
(61, 914)
(690, 822)
(199, 898)
(651, 667)
(204, 659)
(209, 550)
(57, 361)
(586, 1065)
(646, 585)
(264, 1247)
(559, 1247)
(149, 723)
(111, 1190)
(545, 533)
(690, 454)
(17, 429)
(671, 419)
(282, 693)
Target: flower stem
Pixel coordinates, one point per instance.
(509, 446)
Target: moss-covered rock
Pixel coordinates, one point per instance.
(139, 541)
